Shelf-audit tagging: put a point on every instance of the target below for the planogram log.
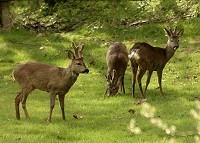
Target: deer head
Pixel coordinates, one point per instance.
(77, 63)
(113, 83)
(173, 38)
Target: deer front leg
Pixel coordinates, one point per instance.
(52, 103)
(24, 106)
(61, 100)
(18, 98)
(159, 73)
(25, 94)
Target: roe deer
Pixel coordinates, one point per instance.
(150, 59)
(55, 80)
(117, 60)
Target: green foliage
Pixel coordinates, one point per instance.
(73, 14)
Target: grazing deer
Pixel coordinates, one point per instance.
(55, 80)
(117, 60)
(150, 59)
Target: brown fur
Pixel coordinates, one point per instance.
(117, 60)
(55, 80)
(150, 59)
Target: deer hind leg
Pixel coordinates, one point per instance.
(25, 94)
(18, 98)
(159, 73)
(139, 78)
(134, 67)
(149, 73)
(61, 100)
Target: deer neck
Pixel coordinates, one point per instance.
(72, 73)
(69, 73)
(169, 52)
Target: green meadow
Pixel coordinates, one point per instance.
(103, 120)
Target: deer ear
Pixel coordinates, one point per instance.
(71, 55)
(167, 32)
(180, 33)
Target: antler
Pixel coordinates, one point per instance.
(172, 32)
(78, 50)
(75, 49)
(175, 30)
(168, 31)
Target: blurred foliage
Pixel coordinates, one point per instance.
(68, 15)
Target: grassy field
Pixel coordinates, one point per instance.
(103, 119)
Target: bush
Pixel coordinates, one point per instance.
(72, 14)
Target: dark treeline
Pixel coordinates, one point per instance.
(68, 15)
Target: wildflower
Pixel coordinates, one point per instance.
(132, 127)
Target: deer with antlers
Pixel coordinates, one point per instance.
(149, 58)
(117, 61)
(55, 80)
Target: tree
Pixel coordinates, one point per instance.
(5, 16)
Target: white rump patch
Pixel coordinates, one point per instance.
(134, 55)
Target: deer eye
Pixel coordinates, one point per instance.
(79, 64)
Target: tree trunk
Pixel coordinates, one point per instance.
(0, 15)
(5, 15)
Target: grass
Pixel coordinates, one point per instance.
(103, 119)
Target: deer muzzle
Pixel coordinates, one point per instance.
(176, 47)
(86, 71)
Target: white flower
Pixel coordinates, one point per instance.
(132, 127)
(197, 139)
